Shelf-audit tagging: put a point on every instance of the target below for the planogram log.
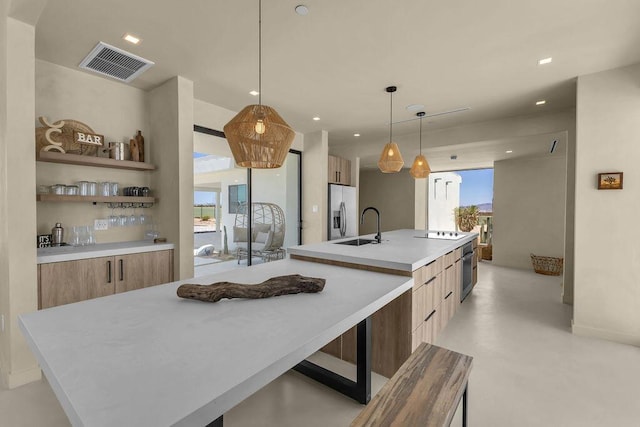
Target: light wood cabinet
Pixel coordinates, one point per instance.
(73, 281)
(418, 315)
(137, 271)
(339, 170)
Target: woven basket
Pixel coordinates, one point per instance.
(550, 266)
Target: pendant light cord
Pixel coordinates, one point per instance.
(421, 136)
(391, 117)
(259, 52)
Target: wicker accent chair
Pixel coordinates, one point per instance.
(268, 228)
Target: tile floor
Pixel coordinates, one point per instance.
(529, 370)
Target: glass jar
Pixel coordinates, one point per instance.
(104, 189)
(71, 190)
(114, 188)
(58, 189)
(83, 188)
(93, 188)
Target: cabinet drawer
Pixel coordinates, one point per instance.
(450, 280)
(418, 278)
(428, 328)
(429, 296)
(418, 307)
(457, 254)
(449, 259)
(432, 269)
(417, 337)
(438, 290)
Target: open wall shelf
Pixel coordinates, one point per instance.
(93, 199)
(101, 162)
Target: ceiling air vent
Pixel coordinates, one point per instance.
(115, 63)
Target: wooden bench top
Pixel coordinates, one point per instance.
(425, 391)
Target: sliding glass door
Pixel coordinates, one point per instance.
(257, 211)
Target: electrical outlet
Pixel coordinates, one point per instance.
(101, 224)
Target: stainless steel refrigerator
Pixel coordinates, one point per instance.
(343, 215)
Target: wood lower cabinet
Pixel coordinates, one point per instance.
(73, 281)
(419, 315)
(137, 271)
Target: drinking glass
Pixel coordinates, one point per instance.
(113, 218)
(74, 237)
(133, 218)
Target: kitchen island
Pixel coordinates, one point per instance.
(147, 357)
(418, 315)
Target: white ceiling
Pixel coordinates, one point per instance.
(336, 61)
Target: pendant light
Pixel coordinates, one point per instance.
(258, 137)
(390, 159)
(420, 167)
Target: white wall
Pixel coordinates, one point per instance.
(443, 196)
(171, 116)
(607, 258)
(528, 209)
(393, 194)
(18, 271)
(315, 165)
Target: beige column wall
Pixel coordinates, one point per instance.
(18, 272)
(607, 259)
(171, 113)
(315, 187)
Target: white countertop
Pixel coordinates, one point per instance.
(399, 250)
(72, 253)
(147, 357)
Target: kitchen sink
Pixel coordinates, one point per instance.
(356, 242)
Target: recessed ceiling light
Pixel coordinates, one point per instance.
(541, 102)
(356, 134)
(254, 93)
(414, 107)
(302, 10)
(131, 38)
(316, 118)
(509, 151)
(545, 61)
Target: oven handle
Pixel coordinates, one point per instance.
(467, 256)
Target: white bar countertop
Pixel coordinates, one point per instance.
(72, 253)
(405, 250)
(147, 357)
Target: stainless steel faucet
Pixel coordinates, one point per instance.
(378, 235)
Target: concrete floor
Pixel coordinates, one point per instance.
(529, 370)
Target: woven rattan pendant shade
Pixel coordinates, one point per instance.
(265, 150)
(390, 160)
(420, 167)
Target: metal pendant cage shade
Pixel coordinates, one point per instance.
(264, 150)
(390, 160)
(420, 167)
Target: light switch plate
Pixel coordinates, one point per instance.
(101, 224)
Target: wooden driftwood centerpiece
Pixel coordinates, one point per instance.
(273, 287)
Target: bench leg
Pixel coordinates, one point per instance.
(216, 423)
(359, 390)
(464, 405)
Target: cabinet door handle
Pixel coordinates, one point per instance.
(108, 271)
(339, 176)
(121, 269)
(448, 295)
(430, 280)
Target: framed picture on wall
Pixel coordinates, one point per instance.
(610, 181)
